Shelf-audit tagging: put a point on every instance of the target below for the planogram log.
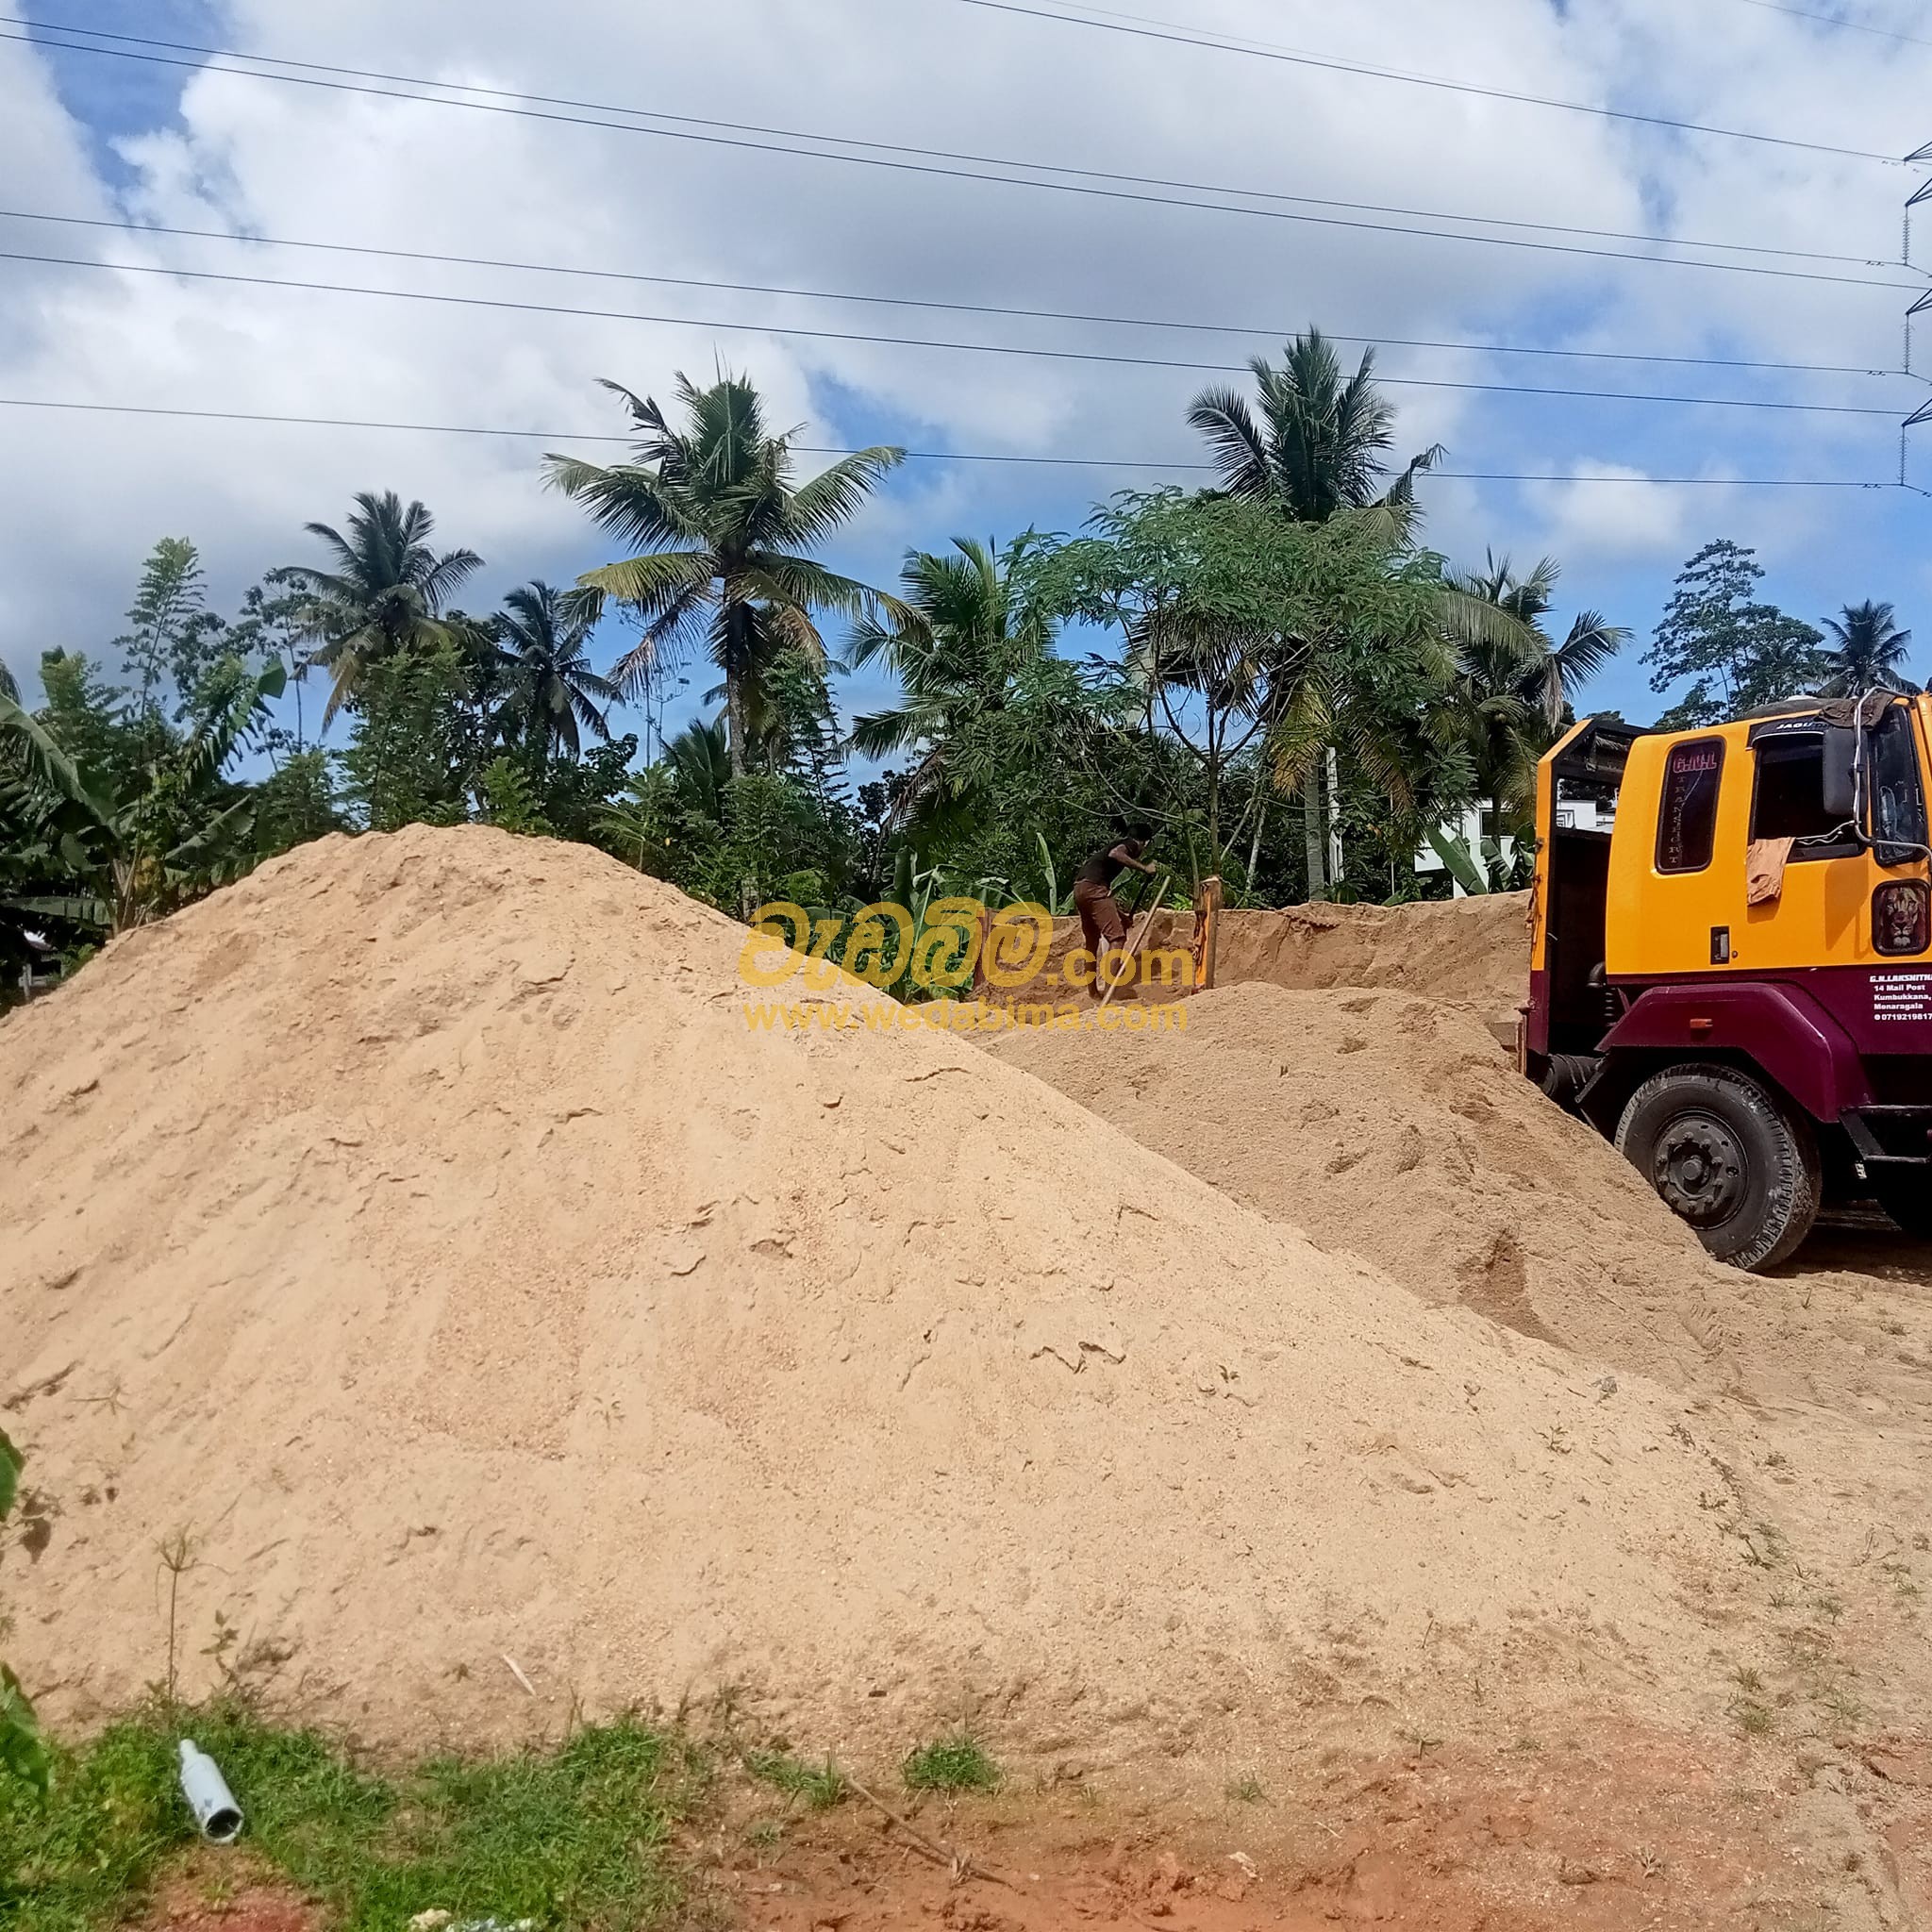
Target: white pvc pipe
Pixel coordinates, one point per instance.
(208, 1796)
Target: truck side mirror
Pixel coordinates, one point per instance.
(1840, 772)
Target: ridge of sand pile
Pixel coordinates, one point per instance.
(1394, 1127)
(1471, 953)
(418, 1226)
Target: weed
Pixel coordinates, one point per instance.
(1419, 1741)
(178, 1556)
(951, 1764)
(1246, 1790)
(1780, 1599)
(579, 1835)
(1529, 1744)
(1776, 1459)
(820, 1788)
(762, 1833)
(1651, 1861)
(1828, 1607)
(1747, 1680)
(1842, 1705)
(1752, 1718)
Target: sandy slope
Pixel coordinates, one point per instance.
(419, 1227)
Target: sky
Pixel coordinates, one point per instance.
(100, 138)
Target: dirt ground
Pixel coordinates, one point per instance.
(1598, 1826)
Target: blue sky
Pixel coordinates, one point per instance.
(115, 138)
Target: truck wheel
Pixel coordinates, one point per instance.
(1726, 1156)
(1908, 1201)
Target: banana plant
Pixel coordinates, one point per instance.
(134, 856)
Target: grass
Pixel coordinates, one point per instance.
(820, 1788)
(951, 1764)
(1246, 1790)
(574, 1837)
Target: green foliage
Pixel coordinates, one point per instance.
(171, 637)
(819, 1788)
(23, 1754)
(385, 592)
(295, 803)
(1317, 444)
(580, 1836)
(553, 695)
(411, 761)
(1868, 651)
(723, 536)
(955, 1763)
(1740, 654)
(508, 799)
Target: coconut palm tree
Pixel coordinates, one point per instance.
(386, 591)
(541, 635)
(1552, 671)
(720, 533)
(1315, 450)
(9, 685)
(1316, 445)
(977, 631)
(1868, 651)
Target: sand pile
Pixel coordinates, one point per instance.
(418, 1228)
(1471, 953)
(1467, 953)
(1397, 1128)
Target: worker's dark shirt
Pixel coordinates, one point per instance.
(1102, 867)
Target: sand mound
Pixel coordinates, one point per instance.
(1467, 953)
(419, 1227)
(1471, 953)
(1395, 1127)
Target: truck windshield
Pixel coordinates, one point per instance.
(1898, 795)
(1789, 799)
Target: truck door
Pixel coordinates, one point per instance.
(1817, 895)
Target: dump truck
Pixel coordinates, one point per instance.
(1731, 961)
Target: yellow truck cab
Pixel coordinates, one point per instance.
(1731, 961)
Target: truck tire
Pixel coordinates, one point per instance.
(1909, 1200)
(1728, 1156)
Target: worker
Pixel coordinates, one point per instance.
(1101, 927)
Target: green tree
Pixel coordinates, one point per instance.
(1868, 651)
(9, 685)
(1317, 444)
(1316, 448)
(124, 855)
(1508, 703)
(1251, 629)
(91, 720)
(978, 634)
(385, 590)
(415, 751)
(722, 535)
(1739, 653)
(541, 636)
(172, 636)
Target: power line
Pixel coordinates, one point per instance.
(922, 456)
(1181, 37)
(888, 155)
(1224, 328)
(1856, 26)
(837, 335)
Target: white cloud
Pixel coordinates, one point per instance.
(87, 495)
